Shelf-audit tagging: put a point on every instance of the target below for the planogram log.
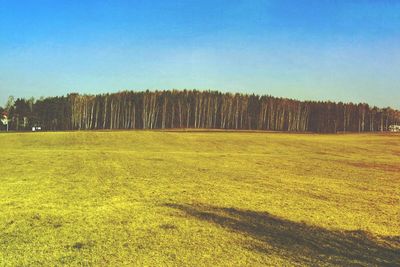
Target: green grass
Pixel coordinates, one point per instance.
(199, 199)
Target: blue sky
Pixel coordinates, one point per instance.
(318, 50)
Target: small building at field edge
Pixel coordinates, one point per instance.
(394, 128)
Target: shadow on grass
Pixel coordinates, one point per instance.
(299, 242)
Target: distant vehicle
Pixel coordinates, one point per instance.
(394, 128)
(36, 129)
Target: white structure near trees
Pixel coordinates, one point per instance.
(394, 128)
(5, 121)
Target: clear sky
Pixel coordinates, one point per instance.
(319, 50)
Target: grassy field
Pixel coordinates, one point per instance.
(199, 199)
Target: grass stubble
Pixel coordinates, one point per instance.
(199, 199)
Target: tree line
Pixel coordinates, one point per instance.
(194, 109)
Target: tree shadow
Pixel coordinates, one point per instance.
(298, 242)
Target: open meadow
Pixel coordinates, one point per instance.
(154, 198)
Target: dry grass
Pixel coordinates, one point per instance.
(199, 199)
